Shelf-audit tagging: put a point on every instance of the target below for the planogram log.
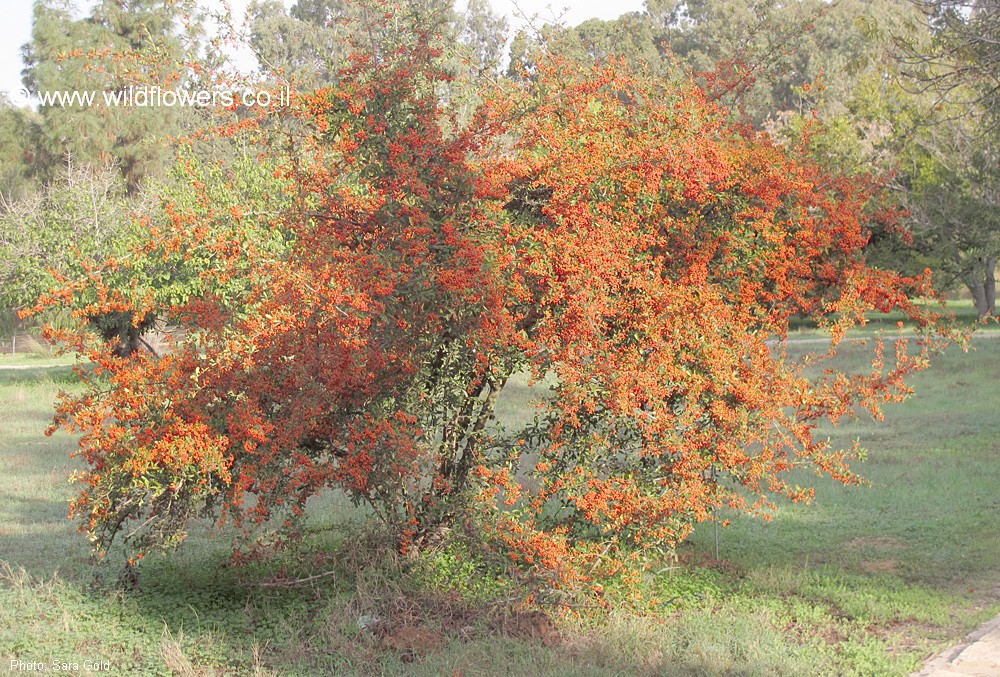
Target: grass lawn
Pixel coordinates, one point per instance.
(866, 580)
(963, 310)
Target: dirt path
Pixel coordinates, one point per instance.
(887, 338)
(978, 655)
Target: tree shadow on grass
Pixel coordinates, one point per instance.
(36, 536)
(13, 374)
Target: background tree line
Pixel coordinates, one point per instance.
(908, 89)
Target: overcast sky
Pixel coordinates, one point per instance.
(15, 27)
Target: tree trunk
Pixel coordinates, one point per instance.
(982, 285)
(990, 284)
(118, 327)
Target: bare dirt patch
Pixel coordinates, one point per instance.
(875, 543)
(877, 553)
(532, 626)
(412, 641)
(881, 566)
(416, 628)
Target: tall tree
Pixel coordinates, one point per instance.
(306, 44)
(951, 184)
(67, 54)
(484, 32)
(16, 152)
(934, 104)
(963, 64)
(769, 50)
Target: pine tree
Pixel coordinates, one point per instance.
(121, 44)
